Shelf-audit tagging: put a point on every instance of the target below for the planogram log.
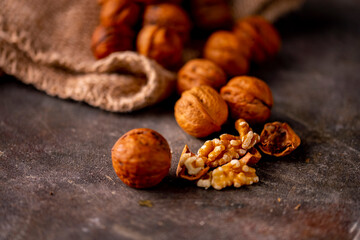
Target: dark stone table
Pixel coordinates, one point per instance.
(57, 180)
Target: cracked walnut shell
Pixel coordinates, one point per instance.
(224, 49)
(141, 158)
(201, 111)
(198, 72)
(161, 44)
(278, 139)
(249, 98)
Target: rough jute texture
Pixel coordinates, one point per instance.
(47, 44)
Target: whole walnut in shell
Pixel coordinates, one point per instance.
(106, 40)
(170, 16)
(161, 44)
(198, 72)
(224, 49)
(249, 98)
(265, 39)
(119, 12)
(141, 158)
(201, 111)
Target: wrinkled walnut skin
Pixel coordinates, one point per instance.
(265, 38)
(198, 72)
(106, 40)
(169, 16)
(161, 44)
(278, 139)
(224, 49)
(201, 111)
(119, 12)
(141, 158)
(249, 98)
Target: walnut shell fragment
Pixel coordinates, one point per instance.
(278, 139)
(191, 167)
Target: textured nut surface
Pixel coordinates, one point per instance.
(265, 39)
(211, 14)
(249, 98)
(169, 16)
(198, 72)
(190, 166)
(201, 111)
(106, 40)
(119, 12)
(141, 158)
(161, 44)
(224, 49)
(235, 173)
(278, 139)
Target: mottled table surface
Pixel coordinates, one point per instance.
(57, 180)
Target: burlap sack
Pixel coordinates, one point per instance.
(47, 44)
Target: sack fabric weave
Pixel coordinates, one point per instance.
(47, 44)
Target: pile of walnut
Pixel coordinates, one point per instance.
(162, 27)
(226, 161)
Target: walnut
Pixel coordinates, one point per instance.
(170, 16)
(278, 139)
(228, 147)
(218, 152)
(201, 111)
(249, 98)
(198, 72)
(190, 166)
(141, 158)
(224, 49)
(235, 173)
(211, 14)
(161, 44)
(119, 12)
(265, 39)
(106, 40)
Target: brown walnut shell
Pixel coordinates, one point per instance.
(201, 111)
(249, 98)
(198, 72)
(252, 157)
(181, 170)
(141, 158)
(211, 14)
(161, 44)
(169, 16)
(106, 40)
(119, 12)
(224, 49)
(265, 38)
(278, 139)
